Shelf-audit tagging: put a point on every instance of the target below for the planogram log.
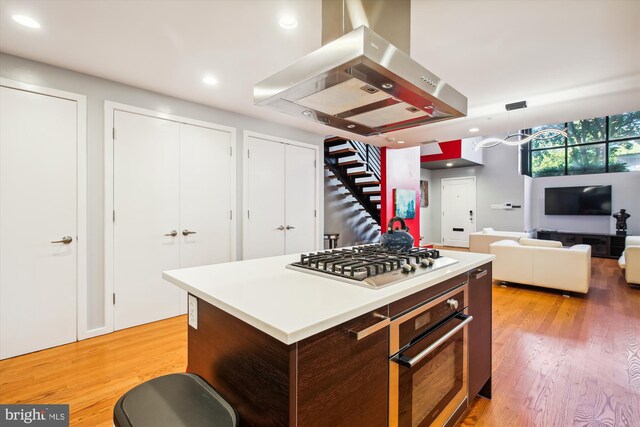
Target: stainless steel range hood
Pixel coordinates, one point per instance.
(361, 83)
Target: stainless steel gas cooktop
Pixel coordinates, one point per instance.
(372, 266)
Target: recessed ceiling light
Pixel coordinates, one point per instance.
(306, 113)
(449, 165)
(288, 22)
(474, 130)
(387, 85)
(400, 142)
(210, 80)
(351, 126)
(26, 21)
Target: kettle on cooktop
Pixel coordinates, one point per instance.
(398, 238)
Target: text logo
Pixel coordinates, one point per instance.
(34, 415)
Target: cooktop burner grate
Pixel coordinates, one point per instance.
(372, 265)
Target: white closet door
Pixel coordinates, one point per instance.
(300, 200)
(38, 199)
(147, 208)
(205, 196)
(265, 196)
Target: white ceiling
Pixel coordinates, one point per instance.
(568, 59)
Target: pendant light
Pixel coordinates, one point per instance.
(520, 137)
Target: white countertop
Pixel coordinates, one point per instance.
(291, 305)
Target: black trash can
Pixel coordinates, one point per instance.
(175, 400)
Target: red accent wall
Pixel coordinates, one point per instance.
(400, 168)
(450, 150)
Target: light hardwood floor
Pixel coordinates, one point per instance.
(91, 375)
(556, 361)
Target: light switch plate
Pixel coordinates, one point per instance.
(193, 311)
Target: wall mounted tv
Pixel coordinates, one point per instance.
(589, 200)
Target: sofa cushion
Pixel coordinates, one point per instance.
(566, 269)
(632, 241)
(487, 230)
(524, 241)
(479, 242)
(513, 263)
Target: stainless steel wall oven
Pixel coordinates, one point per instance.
(428, 359)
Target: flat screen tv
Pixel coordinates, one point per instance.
(588, 200)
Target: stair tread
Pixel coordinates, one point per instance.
(335, 140)
(351, 162)
(344, 150)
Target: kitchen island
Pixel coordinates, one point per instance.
(289, 348)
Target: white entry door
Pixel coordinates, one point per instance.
(146, 231)
(300, 196)
(458, 210)
(38, 221)
(265, 207)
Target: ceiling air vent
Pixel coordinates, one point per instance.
(369, 89)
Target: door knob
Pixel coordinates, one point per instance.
(290, 227)
(280, 228)
(172, 233)
(66, 240)
(186, 232)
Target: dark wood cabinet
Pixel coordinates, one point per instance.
(251, 369)
(602, 245)
(480, 331)
(328, 379)
(343, 381)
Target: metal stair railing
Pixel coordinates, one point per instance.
(370, 154)
(370, 157)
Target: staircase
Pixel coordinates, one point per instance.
(357, 167)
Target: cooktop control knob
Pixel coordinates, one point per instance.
(406, 268)
(452, 303)
(431, 260)
(425, 262)
(414, 266)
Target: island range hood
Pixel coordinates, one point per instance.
(360, 82)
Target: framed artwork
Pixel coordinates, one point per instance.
(405, 203)
(424, 194)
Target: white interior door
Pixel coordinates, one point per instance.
(265, 207)
(458, 210)
(147, 212)
(38, 205)
(300, 199)
(205, 197)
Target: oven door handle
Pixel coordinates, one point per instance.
(408, 363)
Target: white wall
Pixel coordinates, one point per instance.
(497, 182)
(468, 152)
(427, 213)
(528, 207)
(344, 217)
(625, 188)
(98, 90)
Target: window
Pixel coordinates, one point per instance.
(598, 145)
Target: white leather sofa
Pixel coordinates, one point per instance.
(543, 263)
(630, 260)
(480, 241)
